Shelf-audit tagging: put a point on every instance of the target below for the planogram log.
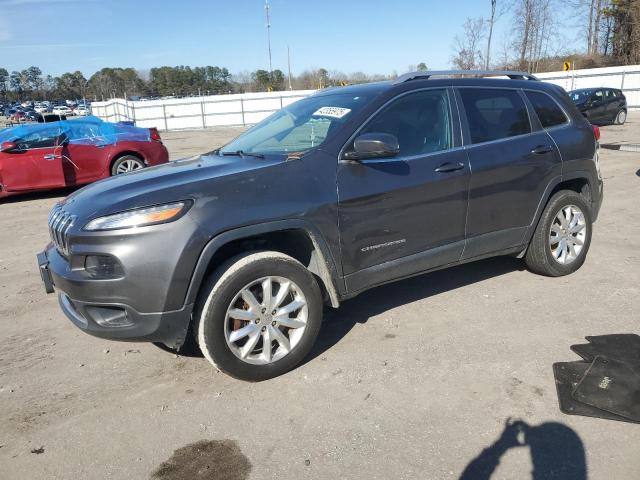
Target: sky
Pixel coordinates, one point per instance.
(348, 35)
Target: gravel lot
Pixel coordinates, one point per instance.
(410, 380)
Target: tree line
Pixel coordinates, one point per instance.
(609, 31)
(178, 81)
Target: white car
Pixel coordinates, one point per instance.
(62, 110)
(81, 110)
(41, 108)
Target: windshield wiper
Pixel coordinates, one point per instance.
(241, 154)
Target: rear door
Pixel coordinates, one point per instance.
(36, 163)
(615, 103)
(405, 214)
(512, 161)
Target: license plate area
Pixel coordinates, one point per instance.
(45, 273)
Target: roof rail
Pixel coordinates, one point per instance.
(425, 74)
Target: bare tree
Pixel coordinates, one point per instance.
(467, 47)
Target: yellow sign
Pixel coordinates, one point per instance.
(566, 66)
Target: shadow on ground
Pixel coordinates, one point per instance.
(556, 452)
(339, 322)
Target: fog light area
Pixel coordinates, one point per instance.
(109, 316)
(103, 267)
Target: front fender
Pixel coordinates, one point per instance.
(325, 266)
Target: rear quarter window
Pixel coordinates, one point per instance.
(548, 111)
(494, 114)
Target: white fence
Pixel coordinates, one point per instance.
(626, 79)
(250, 108)
(197, 112)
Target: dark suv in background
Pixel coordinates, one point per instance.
(337, 193)
(601, 105)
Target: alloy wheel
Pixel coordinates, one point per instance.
(129, 165)
(567, 234)
(266, 320)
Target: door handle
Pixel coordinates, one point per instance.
(449, 167)
(49, 156)
(541, 149)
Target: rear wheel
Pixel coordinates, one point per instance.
(259, 315)
(621, 117)
(126, 163)
(561, 241)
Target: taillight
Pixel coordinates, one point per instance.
(596, 132)
(155, 135)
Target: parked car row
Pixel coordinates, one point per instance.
(28, 111)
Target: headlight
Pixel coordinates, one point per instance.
(140, 217)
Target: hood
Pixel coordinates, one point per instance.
(183, 179)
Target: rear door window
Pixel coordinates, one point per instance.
(548, 111)
(494, 114)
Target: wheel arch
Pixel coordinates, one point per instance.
(578, 181)
(293, 238)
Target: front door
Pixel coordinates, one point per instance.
(598, 108)
(405, 214)
(85, 152)
(36, 163)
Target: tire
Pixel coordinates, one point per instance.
(621, 117)
(125, 164)
(545, 259)
(223, 297)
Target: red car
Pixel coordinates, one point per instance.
(45, 156)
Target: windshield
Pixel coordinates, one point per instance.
(580, 95)
(299, 127)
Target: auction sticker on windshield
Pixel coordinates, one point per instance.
(335, 112)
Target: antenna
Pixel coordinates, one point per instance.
(266, 11)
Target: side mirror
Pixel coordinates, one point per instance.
(373, 145)
(8, 146)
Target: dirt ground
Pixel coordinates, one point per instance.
(418, 379)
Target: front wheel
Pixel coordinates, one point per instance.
(259, 315)
(621, 117)
(562, 238)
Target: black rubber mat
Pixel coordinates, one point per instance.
(612, 386)
(568, 375)
(622, 347)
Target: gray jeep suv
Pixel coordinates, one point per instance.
(337, 193)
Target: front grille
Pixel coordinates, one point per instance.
(59, 224)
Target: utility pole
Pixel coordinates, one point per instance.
(491, 22)
(266, 10)
(289, 66)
